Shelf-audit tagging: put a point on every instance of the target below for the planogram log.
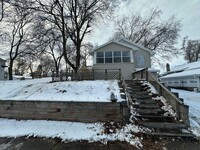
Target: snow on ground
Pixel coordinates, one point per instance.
(193, 100)
(67, 131)
(42, 89)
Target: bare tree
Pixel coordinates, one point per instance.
(1, 9)
(86, 52)
(74, 19)
(151, 32)
(18, 19)
(19, 66)
(49, 42)
(47, 64)
(191, 49)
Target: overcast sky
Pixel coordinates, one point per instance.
(188, 11)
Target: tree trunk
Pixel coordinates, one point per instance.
(57, 71)
(10, 70)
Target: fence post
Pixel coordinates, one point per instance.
(93, 77)
(106, 74)
(119, 74)
(52, 75)
(146, 70)
(73, 76)
(141, 74)
(66, 74)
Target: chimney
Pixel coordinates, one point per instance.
(167, 67)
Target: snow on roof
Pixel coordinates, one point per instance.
(2, 60)
(149, 69)
(153, 70)
(191, 72)
(188, 66)
(190, 69)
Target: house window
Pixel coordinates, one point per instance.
(108, 57)
(126, 56)
(140, 60)
(117, 56)
(113, 57)
(100, 57)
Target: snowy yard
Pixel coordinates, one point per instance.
(67, 131)
(42, 89)
(87, 91)
(193, 100)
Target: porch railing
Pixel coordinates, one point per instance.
(178, 106)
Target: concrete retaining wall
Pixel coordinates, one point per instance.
(67, 111)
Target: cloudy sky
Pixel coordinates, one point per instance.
(188, 11)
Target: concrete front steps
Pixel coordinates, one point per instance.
(149, 113)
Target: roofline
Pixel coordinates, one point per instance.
(2, 59)
(113, 41)
(137, 45)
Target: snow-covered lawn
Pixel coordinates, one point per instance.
(193, 100)
(42, 89)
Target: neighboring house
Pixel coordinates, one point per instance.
(2, 67)
(122, 54)
(184, 76)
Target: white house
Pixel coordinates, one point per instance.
(184, 76)
(2, 66)
(122, 54)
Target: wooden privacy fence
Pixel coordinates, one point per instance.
(89, 112)
(93, 74)
(178, 106)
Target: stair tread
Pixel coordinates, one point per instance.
(163, 125)
(170, 134)
(147, 106)
(150, 116)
